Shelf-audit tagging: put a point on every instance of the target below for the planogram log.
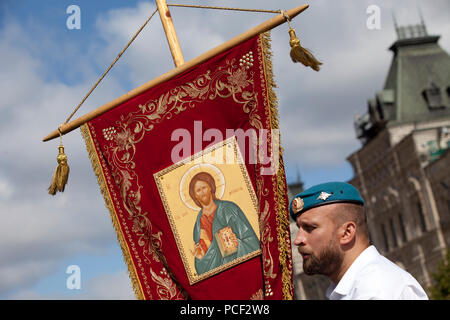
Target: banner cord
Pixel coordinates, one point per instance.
(139, 31)
(109, 68)
(223, 8)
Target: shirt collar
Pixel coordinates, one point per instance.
(346, 283)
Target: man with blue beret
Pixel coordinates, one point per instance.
(333, 240)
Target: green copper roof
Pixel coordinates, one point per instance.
(419, 64)
(417, 86)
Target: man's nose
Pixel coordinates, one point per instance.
(300, 238)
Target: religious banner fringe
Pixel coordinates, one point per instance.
(190, 226)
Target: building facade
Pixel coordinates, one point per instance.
(403, 167)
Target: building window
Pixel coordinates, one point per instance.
(394, 234)
(385, 238)
(432, 96)
(423, 224)
(402, 228)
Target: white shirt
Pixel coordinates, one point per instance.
(373, 277)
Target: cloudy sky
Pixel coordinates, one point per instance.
(46, 69)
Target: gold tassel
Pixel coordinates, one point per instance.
(298, 53)
(61, 174)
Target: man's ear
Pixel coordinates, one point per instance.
(347, 232)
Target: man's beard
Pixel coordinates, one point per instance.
(327, 261)
(205, 200)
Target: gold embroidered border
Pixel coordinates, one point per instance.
(138, 291)
(152, 113)
(282, 219)
(231, 80)
(166, 288)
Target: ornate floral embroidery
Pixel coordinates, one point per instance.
(232, 80)
(246, 60)
(165, 286)
(108, 133)
(228, 81)
(266, 239)
(258, 295)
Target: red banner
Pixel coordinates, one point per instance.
(192, 173)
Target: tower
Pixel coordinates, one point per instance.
(403, 165)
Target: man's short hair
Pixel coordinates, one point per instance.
(351, 212)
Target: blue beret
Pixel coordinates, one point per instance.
(321, 194)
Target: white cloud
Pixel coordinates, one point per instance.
(110, 286)
(148, 56)
(6, 189)
(37, 235)
(23, 273)
(37, 230)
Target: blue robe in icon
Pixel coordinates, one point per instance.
(227, 214)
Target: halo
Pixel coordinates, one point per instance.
(191, 172)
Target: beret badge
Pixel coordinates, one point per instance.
(297, 205)
(324, 196)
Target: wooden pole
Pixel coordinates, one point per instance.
(169, 29)
(263, 27)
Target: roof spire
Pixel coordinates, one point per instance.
(395, 19)
(397, 30)
(410, 31)
(422, 20)
(299, 179)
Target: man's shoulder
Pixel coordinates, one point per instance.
(385, 269)
(384, 279)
